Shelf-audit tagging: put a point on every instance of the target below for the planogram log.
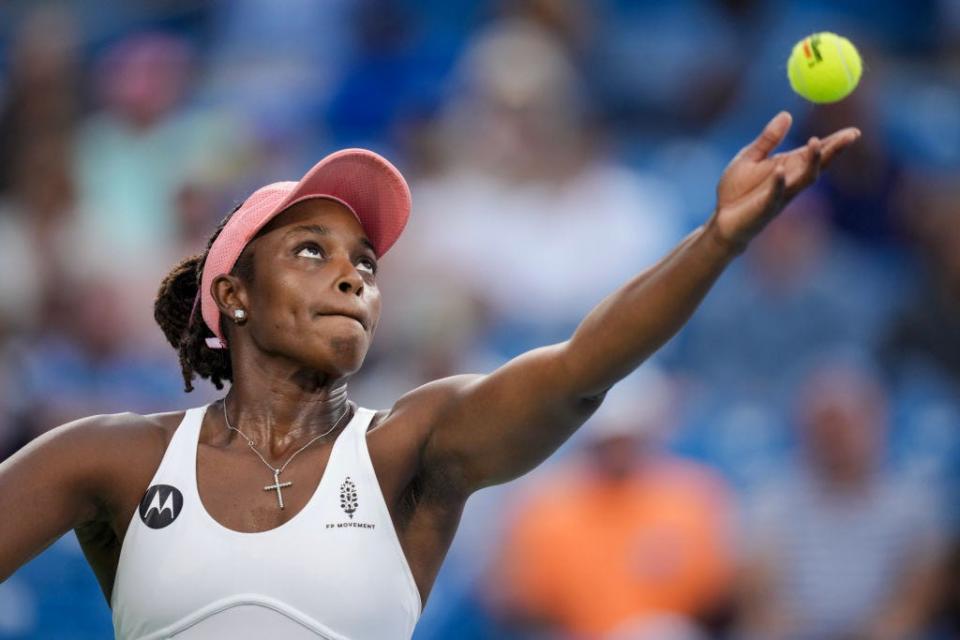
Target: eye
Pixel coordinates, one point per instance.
(371, 264)
(309, 250)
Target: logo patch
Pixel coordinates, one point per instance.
(348, 497)
(160, 506)
(349, 503)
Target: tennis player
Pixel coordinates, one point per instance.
(285, 510)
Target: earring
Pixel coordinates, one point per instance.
(239, 315)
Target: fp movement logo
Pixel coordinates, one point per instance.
(160, 506)
(349, 503)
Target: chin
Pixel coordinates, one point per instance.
(340, 351)
(338, 355)
(348, 353)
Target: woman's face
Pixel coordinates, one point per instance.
(313, 297)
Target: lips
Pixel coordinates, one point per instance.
(349, 314)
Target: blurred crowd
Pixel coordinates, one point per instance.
(786, 468)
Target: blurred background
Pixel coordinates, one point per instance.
(786, 467)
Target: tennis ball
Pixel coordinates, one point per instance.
(824, 67)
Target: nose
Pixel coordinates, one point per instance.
(349, 280)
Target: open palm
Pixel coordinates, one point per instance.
(756, 186)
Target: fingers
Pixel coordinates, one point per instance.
(778, 190)
(837, 142)
(804, 164)
(766, 201)
(813, 155)
(771, 137)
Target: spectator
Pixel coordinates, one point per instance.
(926, 330)
(36, 181)
(841, 549)
(42, 88)
(132, 159)
(520, 156)
(759, 317)
(624, 536)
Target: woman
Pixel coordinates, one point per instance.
(285, 510)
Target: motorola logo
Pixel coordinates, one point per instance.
(160, 506)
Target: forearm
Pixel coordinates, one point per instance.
(500, 425)
(633, 322)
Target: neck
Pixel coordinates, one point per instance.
(281, 410)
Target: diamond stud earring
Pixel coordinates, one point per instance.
(239, 315)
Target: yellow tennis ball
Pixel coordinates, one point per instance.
(824, 67)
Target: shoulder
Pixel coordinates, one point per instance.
(98, 433)
(397, 437)
(111, 450)
(423, 408)
(84, 469)
(113, 429)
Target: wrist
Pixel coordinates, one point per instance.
(731, 247)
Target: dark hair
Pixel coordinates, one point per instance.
(187, 332)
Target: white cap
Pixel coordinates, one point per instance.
(640, 405)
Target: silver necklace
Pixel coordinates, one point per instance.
(277, 485)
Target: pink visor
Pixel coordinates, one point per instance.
(361, 180)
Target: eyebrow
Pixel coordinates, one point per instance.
(324, 231)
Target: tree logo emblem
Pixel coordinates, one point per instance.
(348, 497)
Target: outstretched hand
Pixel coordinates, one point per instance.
(756, 186)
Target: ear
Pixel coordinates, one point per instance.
(229, 292)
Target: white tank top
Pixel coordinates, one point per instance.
(335, 570)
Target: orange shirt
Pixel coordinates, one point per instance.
(589, 556)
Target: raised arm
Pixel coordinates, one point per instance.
(496, 427)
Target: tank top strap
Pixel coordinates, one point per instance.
(181, 454)
(347, 470)
(354, 438)
(363, 501)
(361, 422)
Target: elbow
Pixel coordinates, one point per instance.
(591, 402)
(583, 386)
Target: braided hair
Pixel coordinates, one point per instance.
(183, 324)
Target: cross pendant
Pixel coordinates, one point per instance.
(277, 485)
